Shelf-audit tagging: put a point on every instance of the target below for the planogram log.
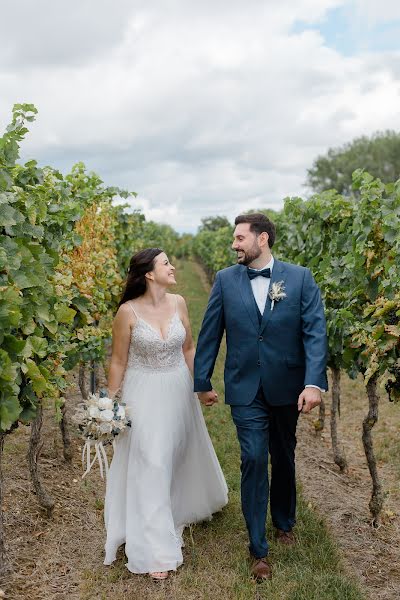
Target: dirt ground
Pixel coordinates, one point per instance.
(49, 558)
(372, 554)
(46, 556)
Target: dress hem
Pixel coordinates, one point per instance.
(181, 543)
(168, 567)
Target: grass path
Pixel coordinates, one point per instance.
(62, 558)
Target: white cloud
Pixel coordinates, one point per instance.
(57, 32)
(202, 108)
(372, 12)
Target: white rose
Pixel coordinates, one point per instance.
(106, 415)
(105, 403)
(94, 412)
(121, 412)
(105, 428)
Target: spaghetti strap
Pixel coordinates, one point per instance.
(133, 310)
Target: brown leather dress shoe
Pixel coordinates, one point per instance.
(285, 537)
(261, 569)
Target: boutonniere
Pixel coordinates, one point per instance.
(276, 292)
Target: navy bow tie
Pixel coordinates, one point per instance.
(264, 273)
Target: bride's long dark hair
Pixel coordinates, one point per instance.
(141, 263)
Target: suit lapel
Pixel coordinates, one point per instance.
(278, 274)
(246, 293)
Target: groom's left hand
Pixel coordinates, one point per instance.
(308, 399)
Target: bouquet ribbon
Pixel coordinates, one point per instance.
(100, 456)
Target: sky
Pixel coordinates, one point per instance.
(202, 108)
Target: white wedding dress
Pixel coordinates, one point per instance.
(164, 473)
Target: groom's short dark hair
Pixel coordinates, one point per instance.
(258, 223)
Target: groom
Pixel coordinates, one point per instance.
(275, 367)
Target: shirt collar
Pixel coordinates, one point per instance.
(269, 265)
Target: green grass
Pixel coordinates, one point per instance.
(388, 447)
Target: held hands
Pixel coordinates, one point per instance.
(309, 398)
(208, 398)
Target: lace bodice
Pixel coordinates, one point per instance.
(149, 351)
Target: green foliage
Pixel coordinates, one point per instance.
(156, 235)
(64, 249)
(30, 240)
(213, 249)
(378, 155)
(184, 248)
(376, 276)
(127, 224)
(40, 310)
(213, 223)
(133, 233)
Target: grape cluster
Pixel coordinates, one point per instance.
(392, 318)
(392, 387)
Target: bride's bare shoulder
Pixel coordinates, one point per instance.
(125, 313)
(180, 303)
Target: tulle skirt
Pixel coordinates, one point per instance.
(164, 474)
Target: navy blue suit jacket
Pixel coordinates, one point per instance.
(285, 351)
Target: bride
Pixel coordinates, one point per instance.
(164, 473)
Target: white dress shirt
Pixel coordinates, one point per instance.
(260, 287)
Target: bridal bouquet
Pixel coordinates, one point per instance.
(100, 419)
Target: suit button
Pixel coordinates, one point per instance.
(258, 363)
(260, 339)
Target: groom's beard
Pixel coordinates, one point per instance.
(247, 257)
